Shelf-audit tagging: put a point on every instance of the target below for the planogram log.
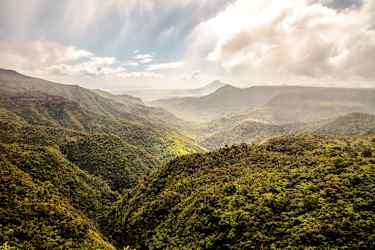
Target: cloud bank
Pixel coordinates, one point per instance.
(159, 43)
(295, 38)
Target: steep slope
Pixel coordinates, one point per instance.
(40, 109)
(45, 103)
(100, 102)
(292, 192)
(84, 173)
(72, 152)
(276, 104)
(102, 155)
(13, 83)
(42, 199)
(46, 164)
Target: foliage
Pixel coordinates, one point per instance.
(36, 213)
(291, 192)
(255, 132)
(5, 246)
(351, 124)
(82, 169)
(108, 157)
(67, 153)
(44, 103)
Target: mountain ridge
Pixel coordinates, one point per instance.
(352, 124)
(282, 103)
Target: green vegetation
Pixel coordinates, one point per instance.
(42, 197)
(351, 124)
(82, 169)
(5, 246)
(64, 163)
(103, 155)
(297, 192)
(255, 132)
(246, 132)
(44, 103)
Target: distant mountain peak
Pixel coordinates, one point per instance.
(216, 83)
(226, 87)
(212, 86)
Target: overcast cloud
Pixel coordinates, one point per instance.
(118, 44)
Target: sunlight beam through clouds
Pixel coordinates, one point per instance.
(240, 41)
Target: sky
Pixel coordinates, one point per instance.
(134, 44)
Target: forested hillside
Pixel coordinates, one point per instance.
(187, 124)
(291, 192)
(67, 154)
(48, 202)
(59, 183)
(109, 172)
(231, 131)
(50, 104)
(351, 124)
(247, 132)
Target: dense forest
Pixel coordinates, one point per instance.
(84, 169)
(66, 159)
(291, 192)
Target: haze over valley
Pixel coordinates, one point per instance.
(163, 124)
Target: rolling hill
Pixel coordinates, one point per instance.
(255, 132)
(247, 132)
(273, 104)
(351, 124)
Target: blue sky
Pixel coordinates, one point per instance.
(121, 44)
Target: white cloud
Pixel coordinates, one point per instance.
(131, 64)
(95, 66)
(300, 38)
(165, 66)
(70, 64)
(38, 54)
(146, 60)
(246, 41)
(44, 57)
(142, 56)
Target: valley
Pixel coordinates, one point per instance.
(187, 125)
(233, 169)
